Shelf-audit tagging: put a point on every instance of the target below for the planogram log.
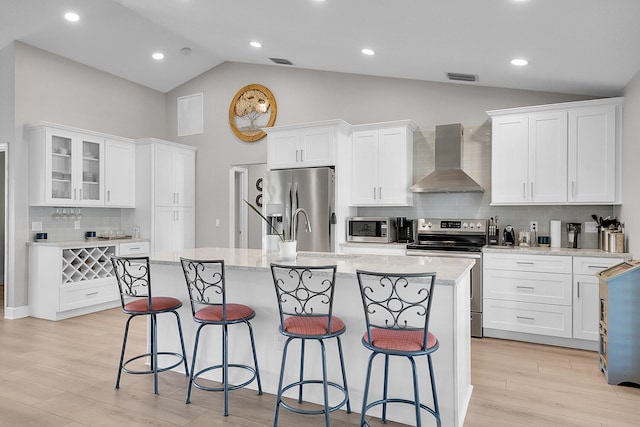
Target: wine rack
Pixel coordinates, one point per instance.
(83, 264)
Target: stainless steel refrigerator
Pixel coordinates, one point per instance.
(312, 189)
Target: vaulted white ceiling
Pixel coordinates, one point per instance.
(585, 47)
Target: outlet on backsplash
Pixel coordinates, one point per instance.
(533, 226)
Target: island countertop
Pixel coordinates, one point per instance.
(249, 281)
(448, 270)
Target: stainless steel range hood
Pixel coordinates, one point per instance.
(448, 177)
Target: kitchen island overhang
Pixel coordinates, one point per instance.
(249, 282)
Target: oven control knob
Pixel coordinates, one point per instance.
(428, 224)
(472, 226)
(479, 226)
(465, 225)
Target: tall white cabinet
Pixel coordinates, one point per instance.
(165, 194)
(567, 153)
(382, 167)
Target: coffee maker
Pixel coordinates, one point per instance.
(508, 236)
(573, 234)
(404, 230)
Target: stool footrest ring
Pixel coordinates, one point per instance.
(313, 411)
(229, 387)
(398, 400)
(151, 371)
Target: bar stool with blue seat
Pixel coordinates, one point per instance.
(305, 303)
(134, 282)
(397, 308)
(207, 293)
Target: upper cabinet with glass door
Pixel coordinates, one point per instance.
(66, 167)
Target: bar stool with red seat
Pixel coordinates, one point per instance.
(305, 303)
(207, 293)
(397, 308)
(134, 282)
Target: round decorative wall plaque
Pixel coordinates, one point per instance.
(252, 108)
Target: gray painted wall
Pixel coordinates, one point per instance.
(630, 210)
(306, 96)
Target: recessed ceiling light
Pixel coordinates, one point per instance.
(255, 44)
(368, 51)
(519, 62)
(72, 17)
(158, 56)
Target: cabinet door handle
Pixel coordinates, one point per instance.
(525, 318)
(177, 216)
(178, 198)
(74, 193)
(532, 190)
(297, 156)
(524, 190)
(573, 189)
(578, 283)
(108, 195)
(374, 193)
(80, 193)
(380, 193)
(302, 155)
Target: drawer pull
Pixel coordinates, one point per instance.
(525, 262)
(525, 318)
(135, 248)
(599, 267)
(524, 287)
(91, 293)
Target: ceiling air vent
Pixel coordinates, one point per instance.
(462, 77)
(281, 61)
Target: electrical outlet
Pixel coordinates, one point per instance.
(217, 223)
(533, 226)
(36, 226)
(590, 227)
(76, 225)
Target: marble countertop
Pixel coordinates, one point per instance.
(448, 270)
(554, 251)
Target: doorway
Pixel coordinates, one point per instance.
(245, 228)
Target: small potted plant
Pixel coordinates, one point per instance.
(287, 248)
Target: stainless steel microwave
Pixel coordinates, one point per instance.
(370, 229)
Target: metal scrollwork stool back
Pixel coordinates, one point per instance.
(207, 293)
(396, 309)
(134, 282)
(305, 303)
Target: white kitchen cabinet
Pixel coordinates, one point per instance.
(174, 176)
(305, 145)
(120, 173)
(66, 166)
(165, 194)
(527, 294)
(382, 166)
(567, 153)
(592, 155)
(76, 167)
(175, 227)
(586, 299)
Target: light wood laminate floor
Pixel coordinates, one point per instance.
(62, 374)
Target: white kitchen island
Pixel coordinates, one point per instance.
(248, 279)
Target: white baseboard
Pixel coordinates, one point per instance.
(16, 312)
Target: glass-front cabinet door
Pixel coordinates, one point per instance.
(74, 168)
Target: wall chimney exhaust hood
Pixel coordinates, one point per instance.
(448, 177)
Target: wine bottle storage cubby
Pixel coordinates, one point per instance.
(81, 264)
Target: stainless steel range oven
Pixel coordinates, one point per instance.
(456, 238)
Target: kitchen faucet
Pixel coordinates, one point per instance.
(294, 222)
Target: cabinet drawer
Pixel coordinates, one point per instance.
(77, 296)
(134, 248)
(549, 288)
(541, 319)
(591, 265)
(526, 262)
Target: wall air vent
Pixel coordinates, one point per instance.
(462, 77)
(281, 61)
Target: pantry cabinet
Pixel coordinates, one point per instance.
(382, 166)
(165, 194)
(567, 153)
(305, 145)
(76, 167)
